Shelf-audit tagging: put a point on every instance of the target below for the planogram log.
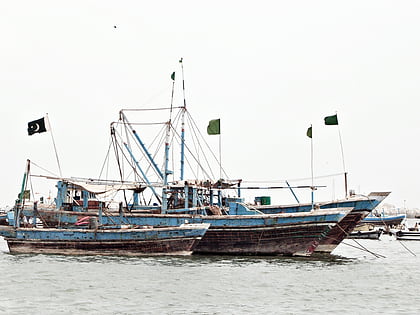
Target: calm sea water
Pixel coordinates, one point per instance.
(350, 282)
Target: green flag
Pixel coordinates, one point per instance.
(214, 127)
(309, 132)
(173, 76)
(25, 195)
(331, 120)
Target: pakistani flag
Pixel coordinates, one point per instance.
(331, 120)
(36, 126)
(214, 127)
(173, 76)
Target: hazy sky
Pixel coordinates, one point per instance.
(267, 69)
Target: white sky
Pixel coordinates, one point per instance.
(267, 69)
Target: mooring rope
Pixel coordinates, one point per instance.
(362, 248)
(407, 248)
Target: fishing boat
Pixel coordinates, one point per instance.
(234, 229)
(95, 238)
(385, 220)
(371, 235)
(407, 235)
(127, 241)
(161, 197)
(243, 231)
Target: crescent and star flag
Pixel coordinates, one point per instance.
(36, 126)
(331, 120)
(214, 127)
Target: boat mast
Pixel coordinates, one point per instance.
(20, 205)
(167, 139)
(149, 156)
(183, 124)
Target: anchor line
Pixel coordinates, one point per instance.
(407, 248)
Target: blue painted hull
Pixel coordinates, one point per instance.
(385, 220)
(278, 234)
(363, 204)
(131, 242)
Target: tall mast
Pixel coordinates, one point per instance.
(167, 139)
(20, 205)
(183, 124)
(148, 155)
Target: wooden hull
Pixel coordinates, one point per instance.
(122, 248)
(387, 220)
(362, 206)
(288, 240)
(339, 232)
(129, 242)
(278, 234)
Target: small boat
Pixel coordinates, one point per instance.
(407, 235)
(129, 241)
(388, 220)
(371, 235)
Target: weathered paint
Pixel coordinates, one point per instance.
(178, 246)
(293, 240)
(385, 220)
(140, 241)
(274, 234)
(362, 206)
(368, 203)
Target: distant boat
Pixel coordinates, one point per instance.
(372, 235)
(388, 220)
(407, 235)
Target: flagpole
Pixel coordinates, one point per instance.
(333, 120)
(344, 165)
(183, 124)
(312, 170)
(220, 155)
(55, 148)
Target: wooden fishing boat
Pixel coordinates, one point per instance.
(128, 241)
(385, 220)
(162, 199)
(246, 232)
(371, 235)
